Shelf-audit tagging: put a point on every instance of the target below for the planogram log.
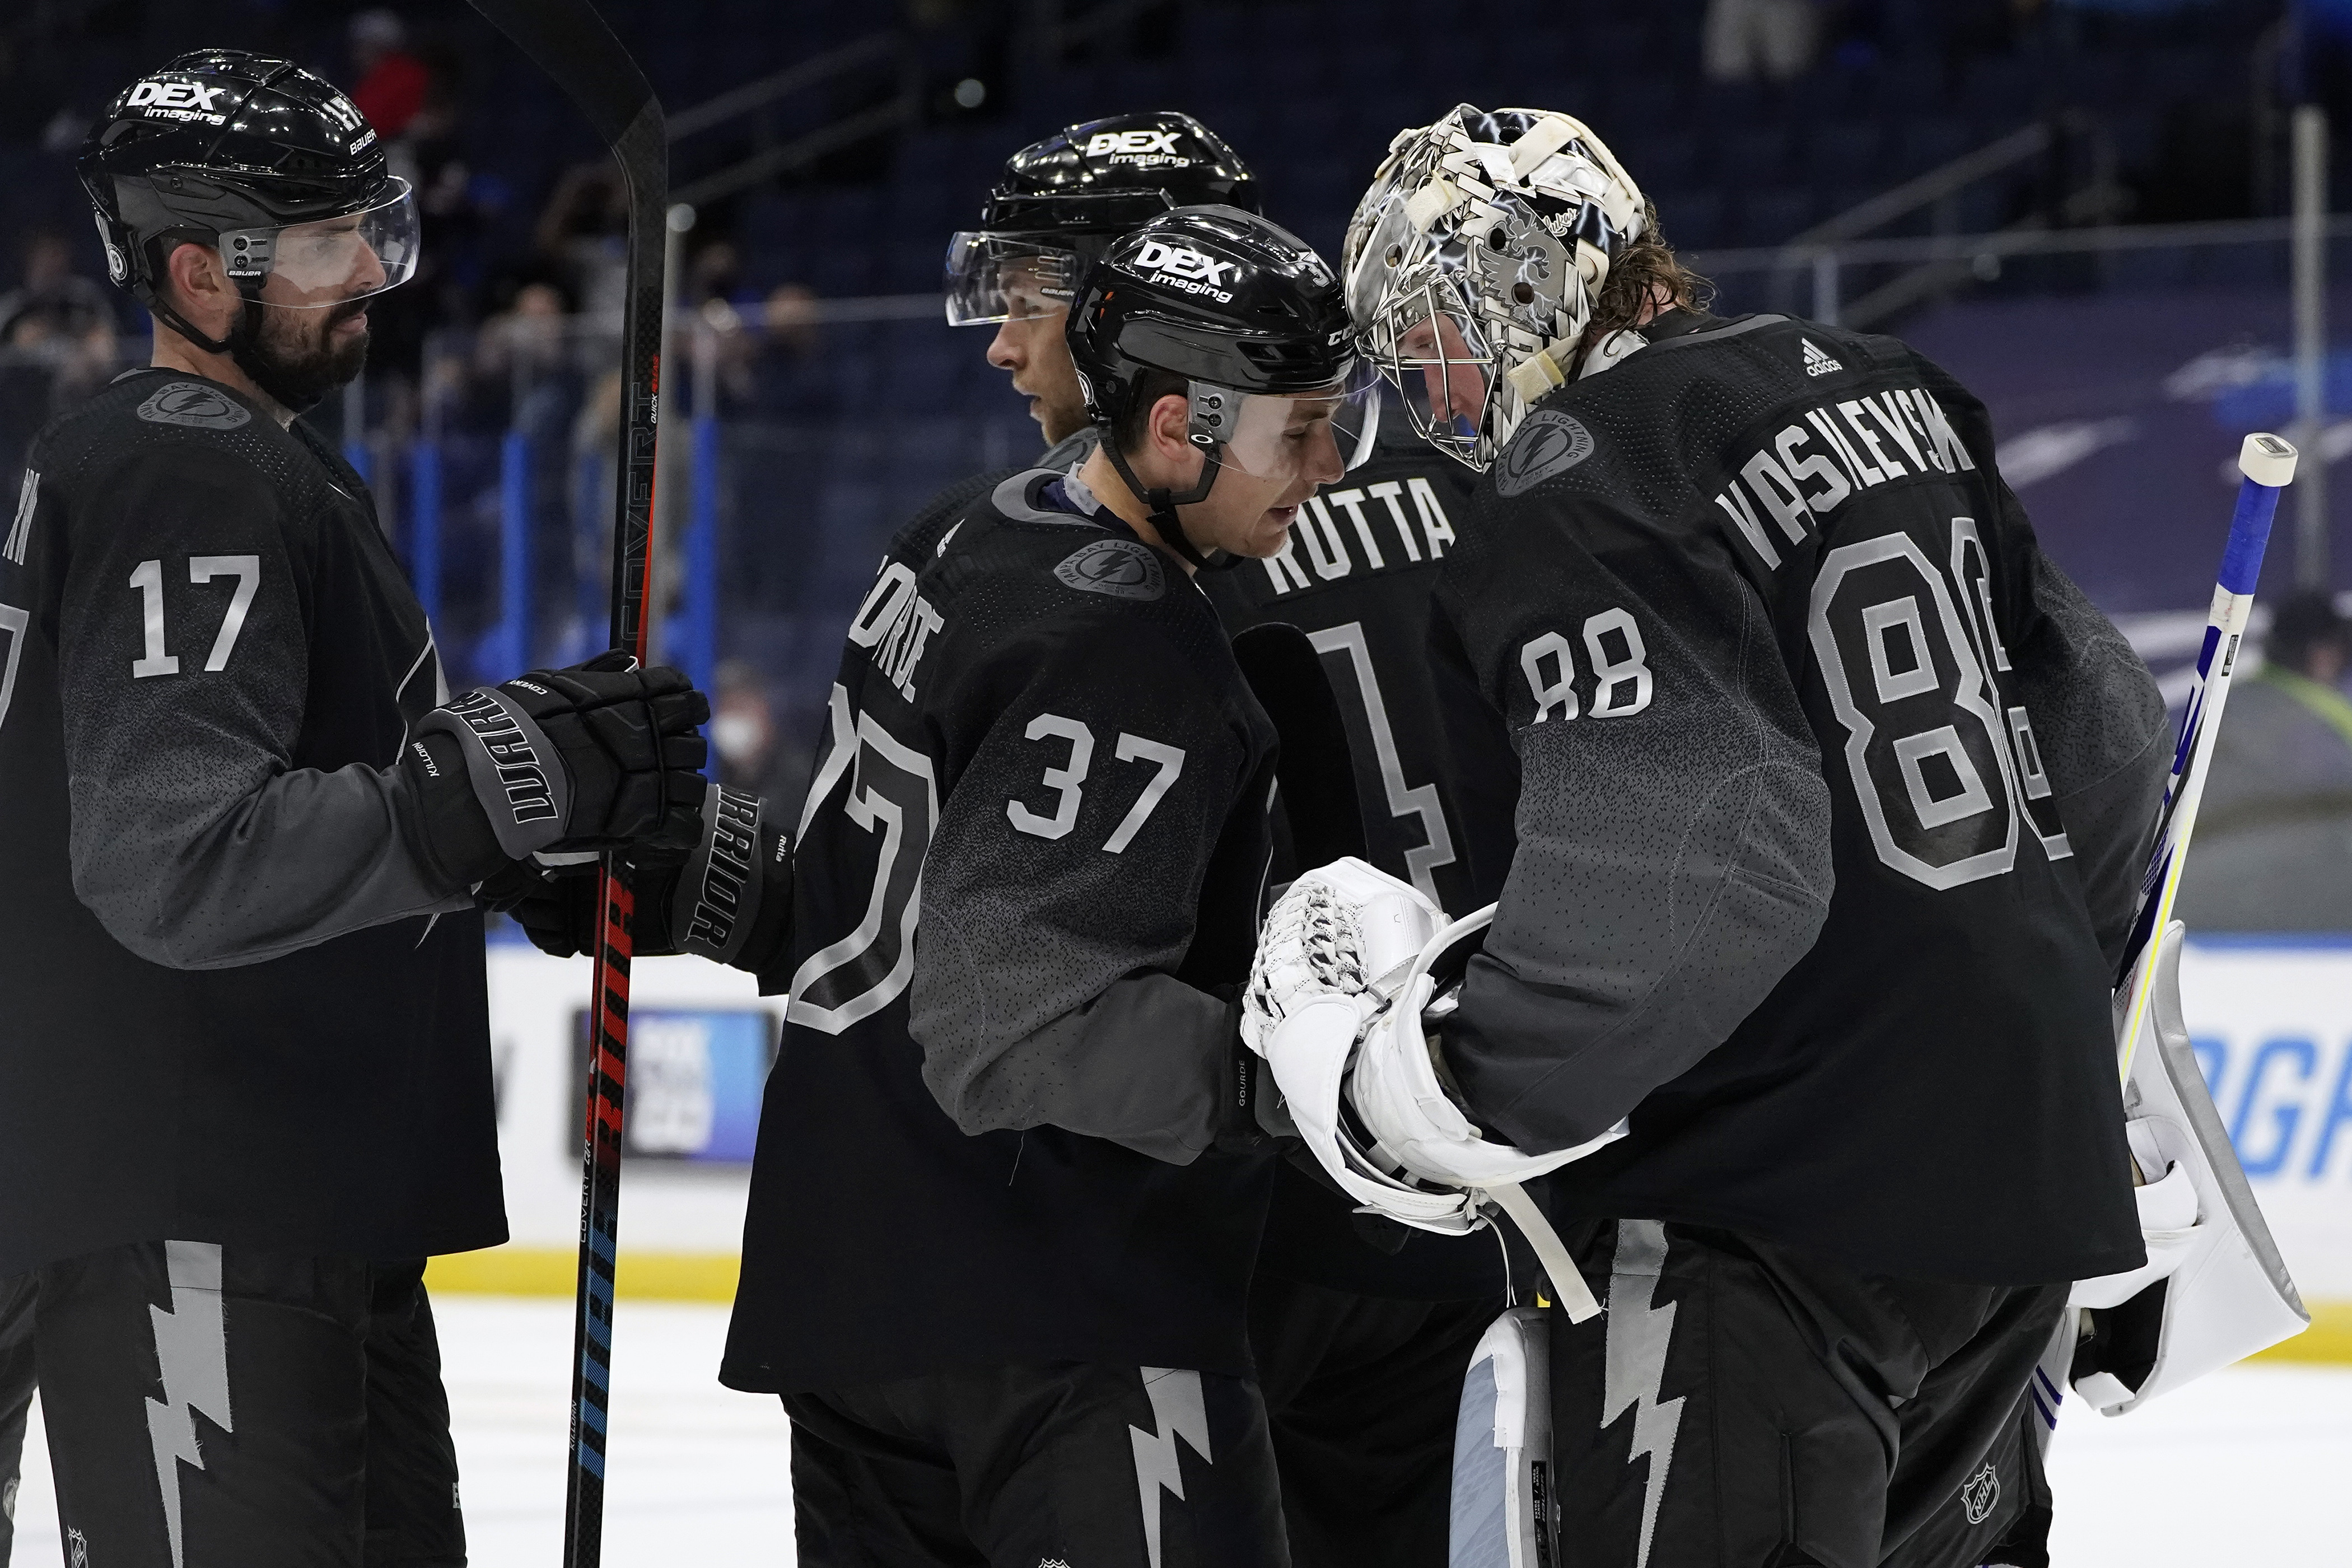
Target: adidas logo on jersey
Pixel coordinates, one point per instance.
(1816, 362)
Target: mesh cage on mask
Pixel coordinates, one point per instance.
(329, 262)
(1007, 278)
(1472, 261)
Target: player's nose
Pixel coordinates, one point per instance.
(1003, 351)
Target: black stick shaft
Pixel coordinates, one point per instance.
(572, 44)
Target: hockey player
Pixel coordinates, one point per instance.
(1833, 791)
(245, 1078)
(1009, 1182)
(1359, 1343)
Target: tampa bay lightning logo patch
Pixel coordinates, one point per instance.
(1119, 567)
(1547, 443)
(195, 406)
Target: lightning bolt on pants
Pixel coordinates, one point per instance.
(1741, 1405)
(1033, 1464)
(220, 1406)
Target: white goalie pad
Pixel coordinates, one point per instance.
(1345, 931)
(2214, 1290)
(1358, 1071)
(1503, 1514)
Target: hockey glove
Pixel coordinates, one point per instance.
(585, 758)
(729, 900)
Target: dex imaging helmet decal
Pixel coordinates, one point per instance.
(1061, 202)
(1182, 266)
(1472, 263)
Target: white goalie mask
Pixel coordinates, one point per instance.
(1472, 261)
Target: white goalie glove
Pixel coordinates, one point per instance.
(1347, 969)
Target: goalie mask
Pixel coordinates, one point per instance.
(261, 160)
(1473, 262)
(1250, 319)
(1062, 201)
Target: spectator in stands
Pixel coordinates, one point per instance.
(392, 82)
(2273, 844)
(59, 321)
(583, 232)
(747, 750)
(1744, 39)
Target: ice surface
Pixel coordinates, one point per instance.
(2246, 1467)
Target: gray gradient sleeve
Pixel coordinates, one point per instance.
(1060, 895)
(183, 648)
(2100, 722)
(1674, 857)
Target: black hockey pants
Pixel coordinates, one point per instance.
(1035, 1464)
(1363, 1393)
(212, 1406)
(15, 1398)
(1739, 1405)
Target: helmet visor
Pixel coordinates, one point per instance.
(1317, 435)
(308, 265)
(1006, 277)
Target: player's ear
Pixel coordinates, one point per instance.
(1165, 432)
(200, 289)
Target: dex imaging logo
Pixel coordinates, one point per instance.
(177, 100)
(1133, 144)
(1185, 267)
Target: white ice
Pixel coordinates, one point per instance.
(2246, 1467)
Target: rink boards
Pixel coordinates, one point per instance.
(2271, 1018)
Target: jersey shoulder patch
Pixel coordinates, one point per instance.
(195, 406)
(1118, 567)
(1548, 442)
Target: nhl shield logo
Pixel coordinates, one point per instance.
(1119, 567)
(1980, 1494)
(1546, 444)
(195, 406)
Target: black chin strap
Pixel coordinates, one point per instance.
(1163, 503)
(149, 296)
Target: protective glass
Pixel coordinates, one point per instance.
(1268, 436)
(1005, 278)
(310, 266)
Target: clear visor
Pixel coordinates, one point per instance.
(1316, 435)
(1000, 277)
(1434, 350)
(313, 265)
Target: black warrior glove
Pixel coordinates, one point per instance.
(730, 899)
(595, 757)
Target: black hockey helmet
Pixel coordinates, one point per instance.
(1062, 200)
(1248, 318)
(224, 148)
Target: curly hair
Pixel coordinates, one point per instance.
(1646, 274)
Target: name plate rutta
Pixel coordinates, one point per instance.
(696, 1075)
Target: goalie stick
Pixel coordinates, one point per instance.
(567, 39)
(2268, 463)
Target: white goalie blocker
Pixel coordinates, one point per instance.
(2214, 1289)
(1339, 1006)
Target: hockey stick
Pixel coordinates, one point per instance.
(2268, 464)
(567, 39)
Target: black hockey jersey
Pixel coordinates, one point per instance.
(1818, 752)
(1026, 884)
(239, 1008)
(1436, 777)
